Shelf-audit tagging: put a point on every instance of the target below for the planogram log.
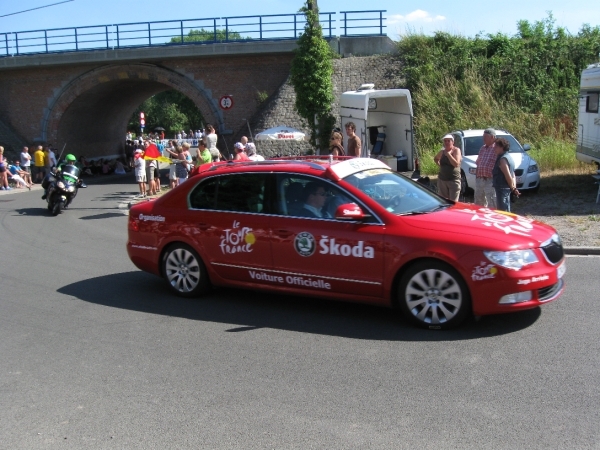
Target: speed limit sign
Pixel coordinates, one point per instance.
(226, 102)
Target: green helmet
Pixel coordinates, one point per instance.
(70, 157)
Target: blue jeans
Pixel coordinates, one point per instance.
(503, 199)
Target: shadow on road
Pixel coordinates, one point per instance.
(250, 310)
(41, 211)
(103, 216)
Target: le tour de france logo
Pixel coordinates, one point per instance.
(237, 239)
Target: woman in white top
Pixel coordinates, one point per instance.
(211, 142)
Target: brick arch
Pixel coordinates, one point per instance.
(90, 113)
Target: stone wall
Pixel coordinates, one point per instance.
(349, 73)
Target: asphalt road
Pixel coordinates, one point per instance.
(96, 354)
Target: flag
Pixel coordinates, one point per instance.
(152, 153)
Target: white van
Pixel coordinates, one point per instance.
(384, 124)
(588, 138)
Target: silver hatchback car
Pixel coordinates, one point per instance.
(470, 141)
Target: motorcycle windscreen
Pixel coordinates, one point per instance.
(70, 170)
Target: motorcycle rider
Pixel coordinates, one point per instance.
(50, 177)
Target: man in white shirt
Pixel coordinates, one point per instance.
(26, 160)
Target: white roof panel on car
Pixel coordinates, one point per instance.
(352, 166)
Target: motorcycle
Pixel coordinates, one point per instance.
(61, 188)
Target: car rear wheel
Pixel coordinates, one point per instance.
(433, 295)
(184, 271)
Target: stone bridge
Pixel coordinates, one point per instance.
(85, 99)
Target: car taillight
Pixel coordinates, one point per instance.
(134, 225)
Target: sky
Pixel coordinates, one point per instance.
(463, 17)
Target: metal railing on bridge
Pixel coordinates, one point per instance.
(184, 32)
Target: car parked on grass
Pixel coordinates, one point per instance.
(381, 239)
(527, 171)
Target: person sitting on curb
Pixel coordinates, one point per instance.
(3, 171)
(17, 175)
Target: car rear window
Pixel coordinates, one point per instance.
(243, 192)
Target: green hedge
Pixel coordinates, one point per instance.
(527, 83)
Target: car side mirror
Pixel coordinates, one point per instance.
(527, 147)
(350, 211)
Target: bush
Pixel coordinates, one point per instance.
(527, 84)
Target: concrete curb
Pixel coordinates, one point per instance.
(582, 250)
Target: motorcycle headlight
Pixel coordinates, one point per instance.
(533, 168)
(71, 189)
(60, 184)
(514, 260)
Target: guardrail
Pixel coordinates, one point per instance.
(184, 32)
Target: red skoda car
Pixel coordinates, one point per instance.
(349, 230)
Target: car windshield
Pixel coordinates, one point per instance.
(396, 193)
(474, 143)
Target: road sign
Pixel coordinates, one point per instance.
(142, 122)
(142, 116)
(226, 102)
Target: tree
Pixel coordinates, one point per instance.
(203, 35)
(311, 73)
(171, 110)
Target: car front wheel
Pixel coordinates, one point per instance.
(184, 271)
(433, 295)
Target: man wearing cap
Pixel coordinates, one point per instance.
(449, 175)
(485, 194)
(240, 154)
(251, 152)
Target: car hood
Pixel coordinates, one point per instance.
(521, 160)
(496, 229)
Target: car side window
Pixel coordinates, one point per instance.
(458, 142)
(204, 196)
(242, 192)
(473, 145)
(293, 193)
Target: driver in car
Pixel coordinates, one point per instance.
(315, 198)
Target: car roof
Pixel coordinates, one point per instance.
(320, 165)
(471, 133)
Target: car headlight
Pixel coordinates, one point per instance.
(514, 260)
(533, 168)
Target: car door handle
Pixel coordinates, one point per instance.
(284, 233)
(203, 226)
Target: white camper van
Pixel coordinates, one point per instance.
(588, 140)
(384, 124)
